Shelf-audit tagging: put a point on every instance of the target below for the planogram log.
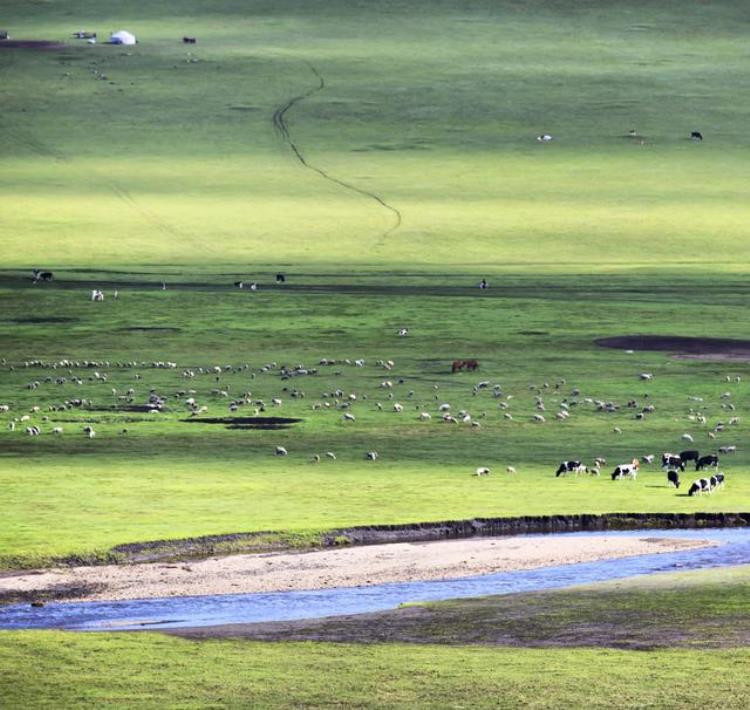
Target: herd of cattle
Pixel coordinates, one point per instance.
(672, 464)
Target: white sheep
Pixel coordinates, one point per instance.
(482, 471)
(331, 455)
(425, 416)
(510, 469)
(398, 407)
(281, 451)
(371, 455)
(349, 417)
(687, 437)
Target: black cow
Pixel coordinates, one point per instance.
(689, 456)
(570, 467)
(672, 461)
(696, 136)
(188, 40)
(702, 485)
(280, 278)
(673, 478)
(703, 461)
(39, 275)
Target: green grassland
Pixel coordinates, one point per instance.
(146, 670)
(173, 158)
(167, 478)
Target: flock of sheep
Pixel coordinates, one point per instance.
(564, 400)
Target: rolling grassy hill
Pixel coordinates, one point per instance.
(174, 158)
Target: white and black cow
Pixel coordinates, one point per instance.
(673, 478)
(702, 485)
(708, 460)
(570, 467)
(672, 461)
(626, 470)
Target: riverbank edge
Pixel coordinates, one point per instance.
(278, 541)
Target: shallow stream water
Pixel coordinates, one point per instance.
(173, 612)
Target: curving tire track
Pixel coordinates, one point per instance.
(280, 124)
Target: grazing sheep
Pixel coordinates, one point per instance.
(687, 437)
(398, 407)
(349, 417)
(331, 455)
(316, 458)
(371, 455)
(425, 416)
(510, 469)
(281, 451)
(649, 459)
(539, 418)
(57, 430)
(11, 426)
(646, 376)
(482, 471)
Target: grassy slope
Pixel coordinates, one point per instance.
(167, 479)
(433, 107)
(144, 670)
(693, 610)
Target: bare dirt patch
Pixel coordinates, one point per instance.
(728, 349)
(247, 422)
(35, 44)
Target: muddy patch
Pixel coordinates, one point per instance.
(728, 349)
(149, 329)
(264, 423)
(41, 321)
(35, 44)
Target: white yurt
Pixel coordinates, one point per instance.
(122, 37)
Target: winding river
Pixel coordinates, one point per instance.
(173, 612)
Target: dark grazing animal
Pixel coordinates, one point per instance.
(673, 478)
(280, 278)
(702, 485)
(672, 461)
(188, 40)
(39, 275)
(696, 136)
(570, 467)
(709, 460)
(689, 456)
(464, 364)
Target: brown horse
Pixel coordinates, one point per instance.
(464, 364)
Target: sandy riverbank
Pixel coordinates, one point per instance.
(339, 567)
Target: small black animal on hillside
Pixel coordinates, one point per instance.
(280, 278)
(673, 479)
(704, 461)
(39, 275)
(188, 40)
(696, 136)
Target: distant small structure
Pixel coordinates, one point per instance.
(122, 37)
